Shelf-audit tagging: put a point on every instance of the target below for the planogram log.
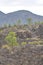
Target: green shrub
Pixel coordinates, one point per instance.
(9, 25)
(29, 21)
(5, 25)
(1, 30)
(23, 43)
(36, 42)
(11, 39)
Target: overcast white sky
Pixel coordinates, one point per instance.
(35, 6)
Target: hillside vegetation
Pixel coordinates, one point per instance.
(21, 44)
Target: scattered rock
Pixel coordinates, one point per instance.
(25, 55)
(23, 34)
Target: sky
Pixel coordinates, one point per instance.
(35, 6)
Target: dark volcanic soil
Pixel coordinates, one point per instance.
(25, 55)
(22, 55)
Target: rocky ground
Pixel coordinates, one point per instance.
(23, 32)
(28, 54)
(25, 55)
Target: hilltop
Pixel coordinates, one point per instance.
(23, 15)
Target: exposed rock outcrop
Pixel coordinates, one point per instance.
(39, 31)
(24, 34)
